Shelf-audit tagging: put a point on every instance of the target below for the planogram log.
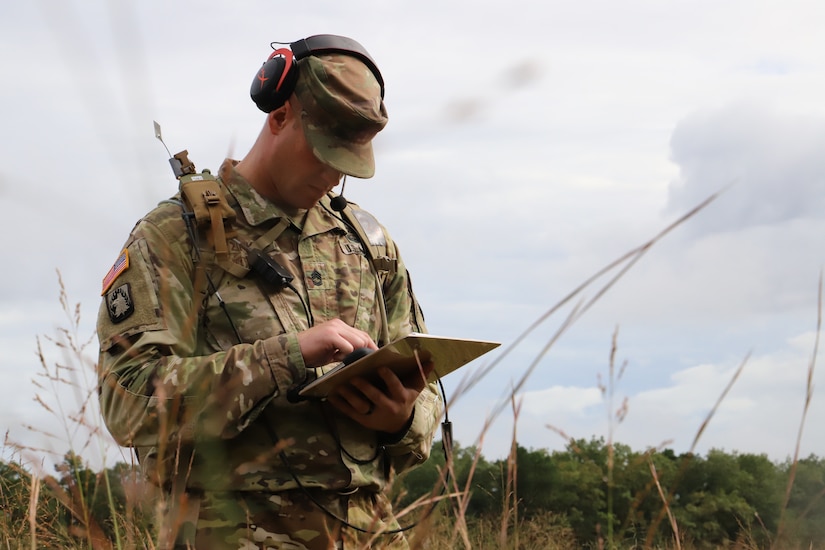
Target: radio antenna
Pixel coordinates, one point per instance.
(180, 163)
(160, 137)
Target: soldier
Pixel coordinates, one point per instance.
(227, 298)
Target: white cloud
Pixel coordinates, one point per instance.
(559, 400)
(761, 413)
(774, 160)
(530, 193)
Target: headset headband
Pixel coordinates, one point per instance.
(275, 81)
(331, 43)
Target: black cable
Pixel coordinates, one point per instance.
(196, 258)
(446, 447)
(310, 319)
(368, 254)
(337, 438)
(224, 308)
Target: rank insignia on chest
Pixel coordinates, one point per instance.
(120, 265)
(119, 303)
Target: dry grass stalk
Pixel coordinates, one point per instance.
(80, 429)
(463, 500)
(809, 390)
(621, 265)
(665, 508)
(665, 502)
(716, 405)
(32, 513)
(62, 374)
(75, 502)
(510, 496)
(614, 418)
(80, 426)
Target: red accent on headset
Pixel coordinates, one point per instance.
(262, 77)
(287, 55)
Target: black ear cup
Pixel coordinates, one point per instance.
(274, 82)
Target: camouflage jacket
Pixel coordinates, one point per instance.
(176, 382)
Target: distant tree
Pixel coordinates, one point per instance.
(95, 505)
(636, 501)
(16, 498)
(86, 510)
(804, 519)
(537, 479)
(485, 479)
(581, 489)
(713, 509)
(421, 481)
(715, 500)
(15, 493)
(760, 484)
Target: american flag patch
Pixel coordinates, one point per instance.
(120, 265)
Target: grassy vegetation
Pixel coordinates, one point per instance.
(503, 504)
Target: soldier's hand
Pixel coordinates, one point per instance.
(331, 341)
(385, 409)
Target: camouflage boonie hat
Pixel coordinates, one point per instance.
(342, 110)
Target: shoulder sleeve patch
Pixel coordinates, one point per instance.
(119, 303)
(132, 304)
(120, 265)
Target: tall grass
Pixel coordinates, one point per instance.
(63, 507)
(63, 511)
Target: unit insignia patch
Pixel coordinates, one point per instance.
(119, 303)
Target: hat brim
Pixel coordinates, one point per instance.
(348, 157)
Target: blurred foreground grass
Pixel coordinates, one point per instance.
(595, 494)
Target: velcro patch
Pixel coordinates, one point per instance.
(120, 265)
(119, 303)
(351, 244)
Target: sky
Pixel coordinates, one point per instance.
(529, 146)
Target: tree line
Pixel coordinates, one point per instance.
(601, 495)
(643, 499)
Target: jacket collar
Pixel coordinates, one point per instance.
(257, 210)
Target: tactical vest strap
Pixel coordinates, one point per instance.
(270, 236)
(372, 235)
(213, 203)
(206, 199)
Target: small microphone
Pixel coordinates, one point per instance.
(339, 203)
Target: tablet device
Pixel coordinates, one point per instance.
(447, 353)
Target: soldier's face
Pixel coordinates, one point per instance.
(302, 179)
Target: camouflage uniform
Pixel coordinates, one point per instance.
(204, 411)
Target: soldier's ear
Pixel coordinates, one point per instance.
(278, 119)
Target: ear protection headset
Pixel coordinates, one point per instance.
(275, 81)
